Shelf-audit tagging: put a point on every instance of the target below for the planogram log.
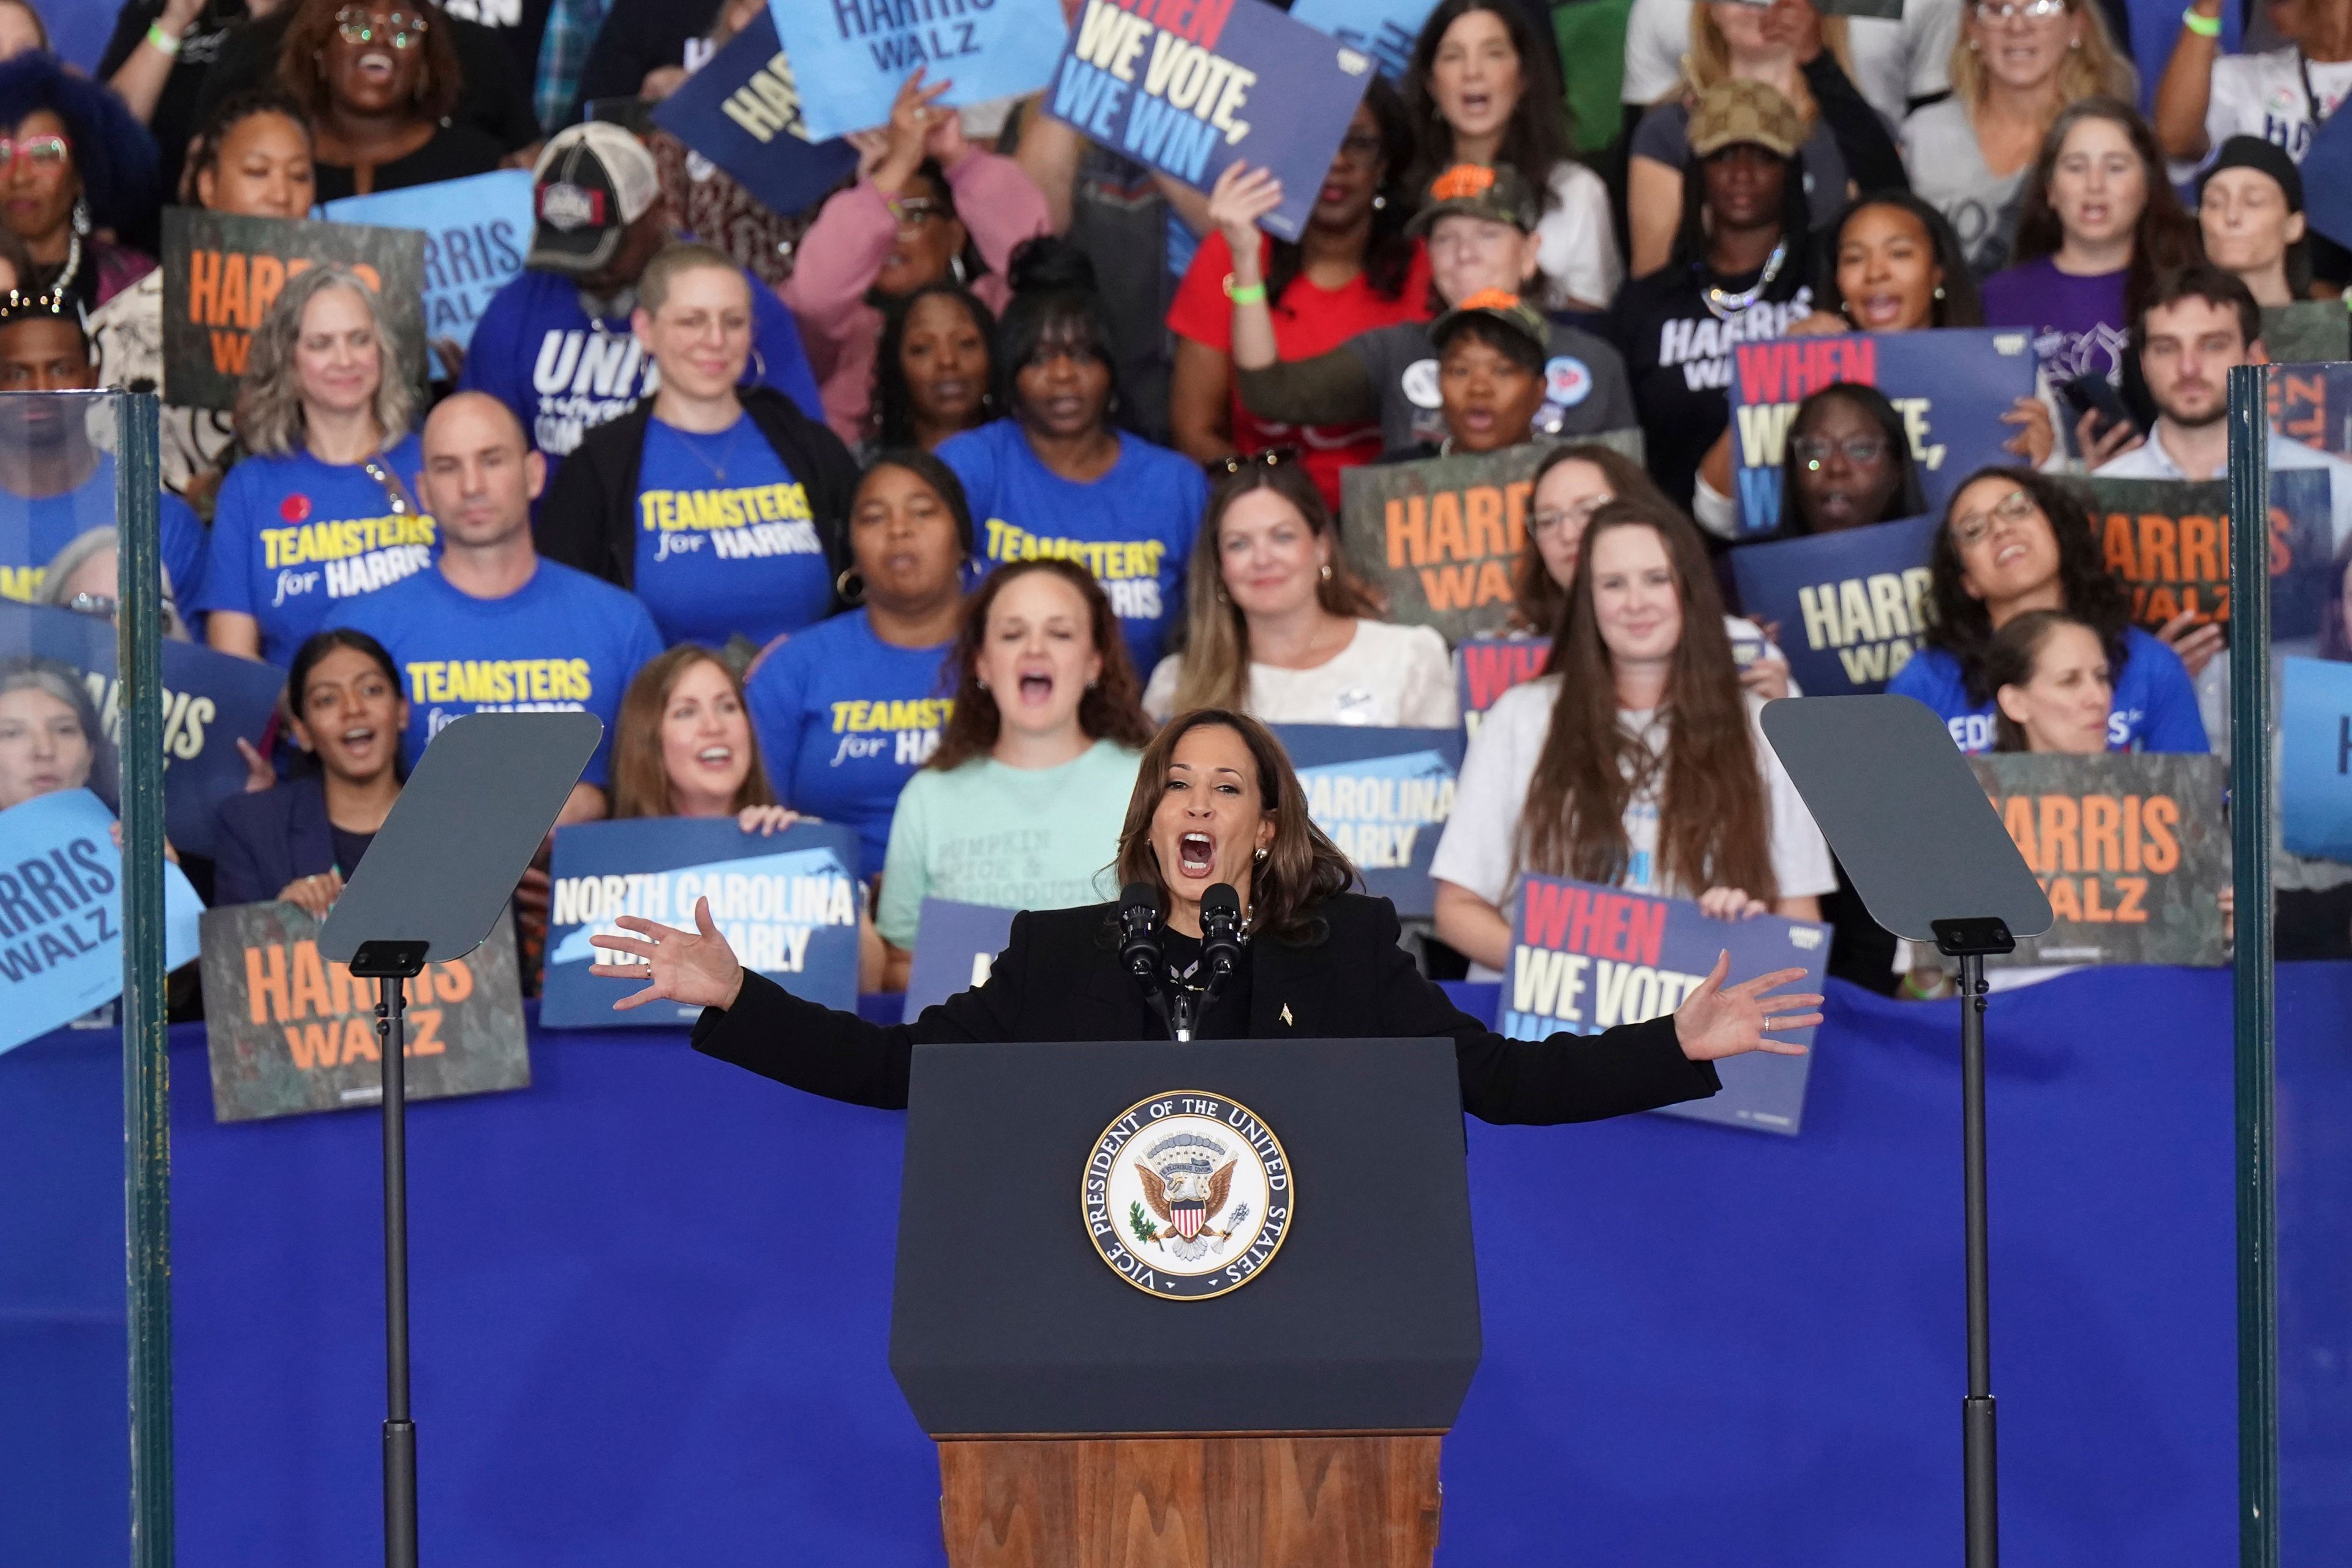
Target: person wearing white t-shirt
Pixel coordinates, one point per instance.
(1276, 624)
(1640, 764)
(2206, 97)
(1895, 63)
(1484, 89)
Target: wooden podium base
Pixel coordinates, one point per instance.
(1315, 1501)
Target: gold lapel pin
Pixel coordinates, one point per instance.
(1285, 1013)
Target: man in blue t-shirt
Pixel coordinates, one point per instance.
(55, 484)
(493, 628)
(554, 345)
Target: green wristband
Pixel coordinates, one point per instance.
(2203, 26)
(1247, 294)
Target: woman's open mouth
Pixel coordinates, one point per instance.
(1879, 307)
(375, 65)
(1196, 854)
(1036, 688)
(715, 756)
(359, 738)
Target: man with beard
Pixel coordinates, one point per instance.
(56, 483)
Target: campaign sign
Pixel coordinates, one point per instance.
(1586, 958)
(786, 902)
(210, 698)
(2130, 849)
(1176, 86)
(2312, 404)
(955, 946)
(223, 272)
(2307, 332)
(61, 913)
(1384, 29)
(2168, 540)
(1852, 606)
(2316, 759)
(855, 54)
(1485, 667)
(289, 1032)
(477, 231)
(742, 112)
(1384, 796)
(1950, 386)
(1440, 535)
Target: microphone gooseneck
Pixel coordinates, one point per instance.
(1139, 947)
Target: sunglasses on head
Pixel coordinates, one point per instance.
(1232, 463)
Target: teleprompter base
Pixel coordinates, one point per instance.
(1190, 1501)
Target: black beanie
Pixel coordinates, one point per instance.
(2253, 153)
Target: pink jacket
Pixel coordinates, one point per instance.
(849, 242)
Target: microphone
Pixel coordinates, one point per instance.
(1221, 931)
(1139, 948)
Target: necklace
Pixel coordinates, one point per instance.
(1724, 306)
(690, 441)
(67, 273)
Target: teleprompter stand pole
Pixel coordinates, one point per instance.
(1970, 940)
(392, 964)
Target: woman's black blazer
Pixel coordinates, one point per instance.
(1059, 978)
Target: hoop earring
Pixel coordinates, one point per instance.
(81, 223)
(758, 365)
(841, 586)
(955, 270)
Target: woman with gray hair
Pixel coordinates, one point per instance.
(322, 510)
(85, 576)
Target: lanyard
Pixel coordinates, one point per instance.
(2310, 95)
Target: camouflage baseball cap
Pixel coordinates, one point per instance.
(1493, 192)
(1497, 305)
(1738, 110)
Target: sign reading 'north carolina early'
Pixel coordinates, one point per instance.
(1187, 1195)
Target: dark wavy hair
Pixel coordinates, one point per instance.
(2165, 237)
(1963, 626)
(1054, 295)
(894, 400)
(1302, 866)
(1961, 305)
(1537, 138)
(113, 155)
(2008, 661)
(1388, 249)
(1715, 827)
(265, 97)
(1907, 499)
(1112, 710)
(1541, 602)
(926, 467)
(439, 82)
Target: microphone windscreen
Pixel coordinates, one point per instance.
(1222, 900)
(1140, 895)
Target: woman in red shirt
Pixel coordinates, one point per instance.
(1353, 269)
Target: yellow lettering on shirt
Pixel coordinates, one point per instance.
(854, 718)
(1109, 559)
(483, 680)
(704, 511)
(341, 538)
(22, 583)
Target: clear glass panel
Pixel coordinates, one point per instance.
(67, 1325)
(2310, 726)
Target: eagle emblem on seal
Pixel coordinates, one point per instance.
(1186, 1179)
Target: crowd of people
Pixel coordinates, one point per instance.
(922, 510)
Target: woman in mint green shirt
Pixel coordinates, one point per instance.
(1021, 806)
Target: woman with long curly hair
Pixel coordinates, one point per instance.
(382, 81)
(81, 170)
(2015, 541)
(1637, 760)
(1020, 807)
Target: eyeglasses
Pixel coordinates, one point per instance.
(48, 152)
(1991, 15)
(1233, 463)
(1814, 450)
(913, 212)
(1543, 522)
(2015, 507)
(358, 25)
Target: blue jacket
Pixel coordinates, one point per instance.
(269, 840)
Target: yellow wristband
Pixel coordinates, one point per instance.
(2203, 26)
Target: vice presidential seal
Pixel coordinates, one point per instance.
(1187, 1195)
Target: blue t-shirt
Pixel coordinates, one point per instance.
(726, 543)
(293, 537)
(34, 529)
(1133, 527)
(536, 350)
(844, 721)
(563, 641)
(2154, 708)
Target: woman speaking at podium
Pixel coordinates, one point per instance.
(1216, 803)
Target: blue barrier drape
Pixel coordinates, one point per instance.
(651, 1310)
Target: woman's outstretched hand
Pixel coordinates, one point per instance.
(1717, 1021)
(694, 967)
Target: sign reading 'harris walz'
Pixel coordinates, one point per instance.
(787, 904)
(1853, 606)
(1384, 796)
(287, 1032)
(1586, 958)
